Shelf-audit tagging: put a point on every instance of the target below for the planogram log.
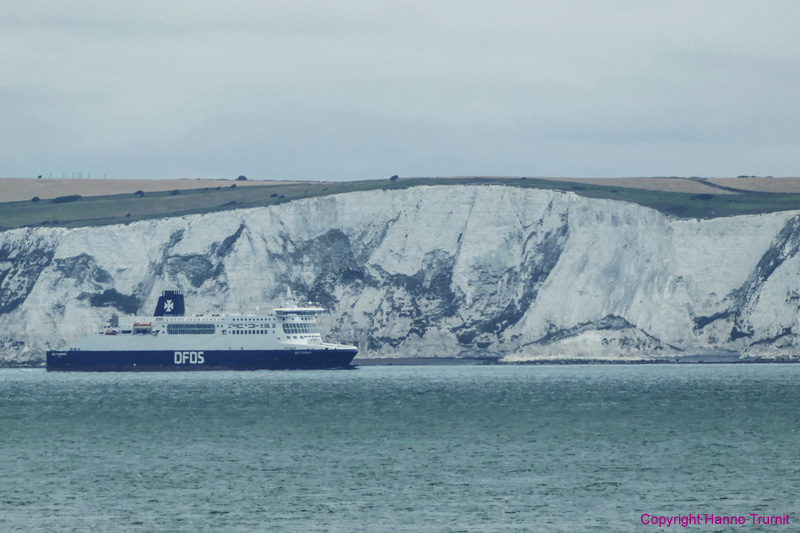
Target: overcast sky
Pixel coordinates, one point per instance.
(366, 89)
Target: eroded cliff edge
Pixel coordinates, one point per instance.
(431, 271)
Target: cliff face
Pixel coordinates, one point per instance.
(430, 271)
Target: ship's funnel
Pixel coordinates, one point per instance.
(170, 303)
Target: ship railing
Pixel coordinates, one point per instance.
(299, 311)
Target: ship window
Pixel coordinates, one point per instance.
(190, 329)
(300, 328)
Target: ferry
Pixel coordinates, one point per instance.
(170, 340)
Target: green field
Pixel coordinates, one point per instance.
(122, 208)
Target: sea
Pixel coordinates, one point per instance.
(403, 448)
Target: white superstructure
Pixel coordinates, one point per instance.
(287, 328)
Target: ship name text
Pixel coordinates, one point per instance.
(192, 358)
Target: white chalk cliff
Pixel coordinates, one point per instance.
(457, 271)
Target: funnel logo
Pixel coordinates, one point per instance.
(168, 305)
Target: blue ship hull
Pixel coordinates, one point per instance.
(197, 360)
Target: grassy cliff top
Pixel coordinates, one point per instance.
(686, 198)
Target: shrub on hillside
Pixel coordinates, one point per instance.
(66, 199)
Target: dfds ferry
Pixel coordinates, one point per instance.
(170, 340)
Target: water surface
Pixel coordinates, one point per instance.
(450, 448)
